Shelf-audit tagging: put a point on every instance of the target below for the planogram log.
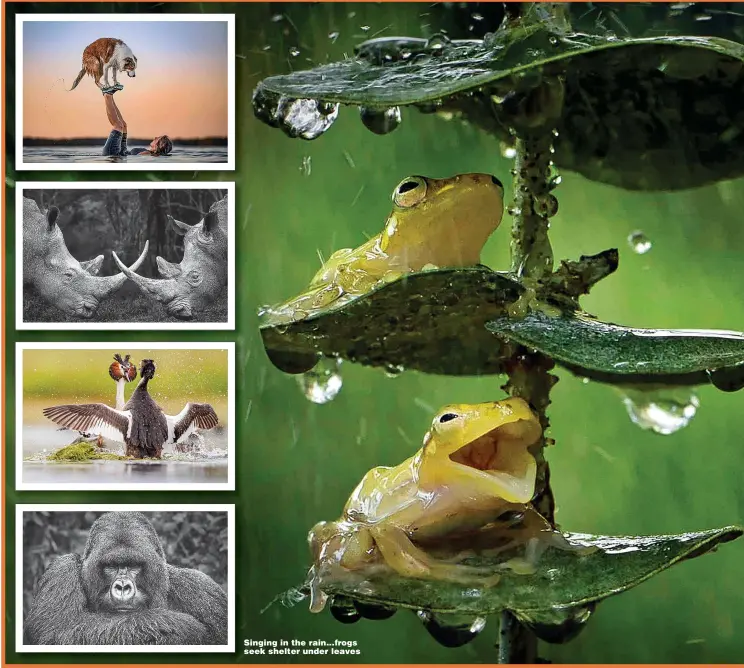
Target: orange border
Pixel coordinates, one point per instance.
(230, 659)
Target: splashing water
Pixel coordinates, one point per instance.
(323, 382)
(306, 166)
(639, 242)
(380, 121)
(661, 411)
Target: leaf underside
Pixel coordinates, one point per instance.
(624, 355)
(431, 321)
(658, 113)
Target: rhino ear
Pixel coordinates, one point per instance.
(167, 269)
(93, 266)
(178, 226)
(52, 216)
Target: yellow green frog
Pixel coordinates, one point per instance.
(474, 465)
(435, 223)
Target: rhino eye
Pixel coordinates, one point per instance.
(68, 274)
(195, 278)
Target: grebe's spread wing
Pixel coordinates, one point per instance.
(91, 419)
(192, 417)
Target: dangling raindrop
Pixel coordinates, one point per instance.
(451, 630)
(307, 119)
(555, 181)
(727, 380)
(343, 610)
(323, 382)
(661, 411)
(394, 370)
(639, 242)
(380, 121)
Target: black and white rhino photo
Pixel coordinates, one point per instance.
(154, 253)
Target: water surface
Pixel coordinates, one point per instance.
(195, 154)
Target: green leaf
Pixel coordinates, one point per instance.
(415, 322)
(563, 583)
(625, 355)
(657, 113)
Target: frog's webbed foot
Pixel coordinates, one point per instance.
(408, 560)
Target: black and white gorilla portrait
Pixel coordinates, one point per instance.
(122, 590)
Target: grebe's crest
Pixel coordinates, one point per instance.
(122, 368)
(147, 368)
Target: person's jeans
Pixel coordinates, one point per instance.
(116, 144)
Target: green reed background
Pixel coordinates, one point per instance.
(297, 462)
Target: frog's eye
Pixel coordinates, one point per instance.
(409, 192)
(447, 417)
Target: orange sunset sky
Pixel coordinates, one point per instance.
(180, 88)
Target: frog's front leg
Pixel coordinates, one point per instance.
(408, 560)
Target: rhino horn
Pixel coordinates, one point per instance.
(162, 290)
(181, 228)
(93, 266)
(108, 284)
(211, 221)
(167, 269)
(52, 216)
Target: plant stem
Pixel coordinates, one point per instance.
(529, 373)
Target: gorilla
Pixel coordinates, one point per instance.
(122, 592)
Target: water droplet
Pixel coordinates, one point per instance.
(662, 411)
(394, 370)
(555, 181)
(730, 379)
(553, 41)
(703, 17)
(333, 36)
(343, 610)
(306, 166)
(507, 150)
(380, 121)
(451, 630)
(294, 52)
(322, 383)
(267, 47)
(307, 119)
(476, 17)
(364, 28)
(639, 242)
(276, 18)
(514, 210)
(437, 43)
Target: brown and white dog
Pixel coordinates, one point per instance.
(103, 56)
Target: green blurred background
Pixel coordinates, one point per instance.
(298, 462)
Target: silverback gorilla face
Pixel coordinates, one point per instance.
(123, 592)
(123, 564)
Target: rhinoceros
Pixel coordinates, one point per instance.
(201, 277)
(73, 287)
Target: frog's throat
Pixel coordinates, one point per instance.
(501, 457)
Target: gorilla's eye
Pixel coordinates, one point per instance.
(447, 417)
(409, 192)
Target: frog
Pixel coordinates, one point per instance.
(475, 465)
(434, 224)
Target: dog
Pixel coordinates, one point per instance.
(103, 56)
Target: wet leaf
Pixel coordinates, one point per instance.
(657, 113)
(625, 355)
(563, 585)
(415, 322)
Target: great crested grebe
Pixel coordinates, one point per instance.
(141, 424)
(123, 372)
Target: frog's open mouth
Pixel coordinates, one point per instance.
(502, 455)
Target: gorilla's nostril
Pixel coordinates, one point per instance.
(497, 182)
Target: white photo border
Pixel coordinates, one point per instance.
(228, 166)
(228, 486)
(119, 507)
(22, 186)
